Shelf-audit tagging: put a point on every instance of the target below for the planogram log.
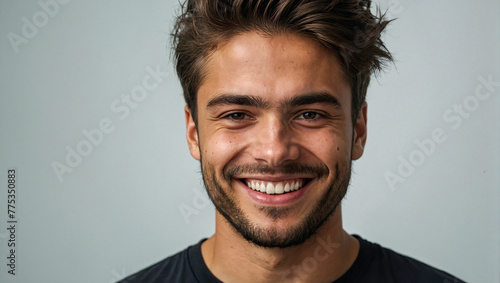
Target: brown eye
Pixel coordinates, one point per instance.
(236, 116)
(309, 115)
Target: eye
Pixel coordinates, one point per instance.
(236, 116)
(309, 115)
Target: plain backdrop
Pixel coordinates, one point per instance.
(134, 194)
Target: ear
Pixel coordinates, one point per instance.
(192, 134)
(359, 135)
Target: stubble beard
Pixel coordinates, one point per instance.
(274, 237)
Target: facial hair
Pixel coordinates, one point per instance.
(223, 198)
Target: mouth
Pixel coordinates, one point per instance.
(275, 188)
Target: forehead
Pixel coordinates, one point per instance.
(272, 67)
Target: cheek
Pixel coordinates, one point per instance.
(220, 148)
(329, 146)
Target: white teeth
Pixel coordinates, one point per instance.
(270, 189)
(278, 188)
(287, 188)
(262, 188)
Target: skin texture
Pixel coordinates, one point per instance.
(276, 109)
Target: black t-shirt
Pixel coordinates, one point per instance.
(373, 264)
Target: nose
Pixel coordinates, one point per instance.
(274, 143)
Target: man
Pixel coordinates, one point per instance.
(276, 112)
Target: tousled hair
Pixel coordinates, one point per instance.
(347, 28)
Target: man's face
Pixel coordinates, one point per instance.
(275, 136)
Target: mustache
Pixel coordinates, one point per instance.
(319, 171)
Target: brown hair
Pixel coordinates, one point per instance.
(345, 27)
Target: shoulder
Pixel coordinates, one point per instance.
(378, 264)
(175, 268)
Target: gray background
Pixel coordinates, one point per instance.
(120, 209)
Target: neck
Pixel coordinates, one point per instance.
(324, 257)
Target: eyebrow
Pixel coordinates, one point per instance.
(311, 98)
(245, 100)
(255, 101)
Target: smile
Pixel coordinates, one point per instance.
(276, 188)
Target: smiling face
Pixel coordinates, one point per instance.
(275, 136)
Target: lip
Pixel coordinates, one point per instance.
(274, 200)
